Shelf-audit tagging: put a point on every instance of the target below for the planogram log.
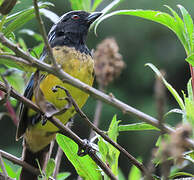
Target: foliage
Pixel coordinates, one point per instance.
(85, 166)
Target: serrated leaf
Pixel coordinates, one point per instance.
(103, 148)
(63, 175)
(137, 127)
(188, 22)
(168, 86)
(50, 167)
(85, 166)
(113, 133)
(109, 153)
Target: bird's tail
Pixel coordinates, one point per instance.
(31, 158)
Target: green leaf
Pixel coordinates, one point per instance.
(137, 127)
(76, 4)
(22, 44)
(109, 153)
(9, 170)
(63, 175)
(168, 86)
(18, 65)
(190, 59)
(50, 15)
(189, 106)
(121, 175)
(178, 111)
(188, 22)
(14, 78)
(174, 23)
(22, 18)
(50, 168)
(172, 176)
(96, 4)
(135, 173)
(190, 90)
(112, 5)
(18, 172)
(85, 166)
(180, 29)
(31, 33)
(86, 5)
(113, 133)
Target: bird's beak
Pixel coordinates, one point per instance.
(93, 16)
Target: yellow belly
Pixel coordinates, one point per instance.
(77, 65)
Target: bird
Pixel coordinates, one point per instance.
(67, 38)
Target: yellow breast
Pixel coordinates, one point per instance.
(78, 65)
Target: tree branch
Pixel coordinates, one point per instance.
(103, 135)
(44, 35)
(88, 89)
(63, 129)
(19, 162)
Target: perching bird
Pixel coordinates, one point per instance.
(68, 41)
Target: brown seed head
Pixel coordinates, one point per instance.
(108, 61)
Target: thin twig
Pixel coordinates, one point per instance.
(57, 161)
(6, 96)
(97, 114)
(48, 155)
(67, 132)
(101, 133)
(3, 168)
(62, 128)
(44, 35)
(18, 161)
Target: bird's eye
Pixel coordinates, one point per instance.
(75, 17)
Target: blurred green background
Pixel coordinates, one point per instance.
(140, 41)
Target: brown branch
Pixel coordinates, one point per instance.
(88, 89)
(44, 35)
(63, 129)
(102, 134)
(19, 162)
(98, 112)
(57, 162)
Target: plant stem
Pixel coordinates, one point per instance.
(97, 114)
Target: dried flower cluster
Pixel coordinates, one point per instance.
(108, 61)
(177, 144)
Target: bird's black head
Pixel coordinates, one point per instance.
(71, 30)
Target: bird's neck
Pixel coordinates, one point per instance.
(77, 41)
